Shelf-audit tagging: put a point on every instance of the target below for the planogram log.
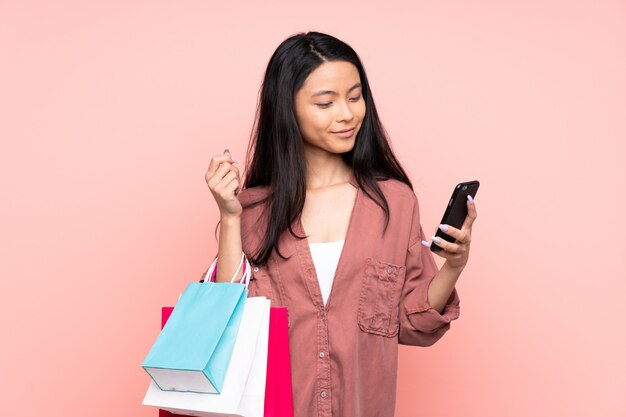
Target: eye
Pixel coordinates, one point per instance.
(324, 105)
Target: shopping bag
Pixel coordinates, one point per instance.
(278, 397)
(165, 314)
(253, 398)
(194, 348)
(278, 390)
(249, 360)
(210, 272)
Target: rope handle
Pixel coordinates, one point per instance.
(245, 277)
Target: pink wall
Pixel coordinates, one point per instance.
(110, 112)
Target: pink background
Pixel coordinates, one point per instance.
(110, 112)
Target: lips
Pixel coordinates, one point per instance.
(345, 130)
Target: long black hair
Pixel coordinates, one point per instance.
(275, 156)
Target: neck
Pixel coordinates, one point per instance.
(325, 169)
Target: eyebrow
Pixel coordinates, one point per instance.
(322, 92)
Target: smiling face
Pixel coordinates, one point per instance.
(329, 101)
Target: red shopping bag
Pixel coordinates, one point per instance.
(278, 391)
(165, 314)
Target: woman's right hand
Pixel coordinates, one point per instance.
(223, 180)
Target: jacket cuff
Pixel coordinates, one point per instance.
(425, 318)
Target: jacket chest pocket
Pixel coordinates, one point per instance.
(379, 300)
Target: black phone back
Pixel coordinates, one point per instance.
(456, 211)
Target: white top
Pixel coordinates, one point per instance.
(326, 257)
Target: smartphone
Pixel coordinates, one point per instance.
(456, 211)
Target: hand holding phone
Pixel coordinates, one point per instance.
(456, 211)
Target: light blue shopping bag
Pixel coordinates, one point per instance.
(194, 348)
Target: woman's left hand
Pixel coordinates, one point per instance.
(456, 254)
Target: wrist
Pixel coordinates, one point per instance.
(453, 269)
(230, 218)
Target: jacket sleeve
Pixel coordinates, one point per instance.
(420, 323)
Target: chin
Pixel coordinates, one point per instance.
(344, 147)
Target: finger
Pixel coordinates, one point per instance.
(441, 253)
(232, 187)
(227, 152)
(447, 246)
(460, 235)
(230, 164)
(226, 179)
(471, 214)
(219, 181)
(215, 163)
(221, 172)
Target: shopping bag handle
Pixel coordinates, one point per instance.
(245, 277)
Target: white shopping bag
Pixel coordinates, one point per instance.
(253, 400)
(250, 346)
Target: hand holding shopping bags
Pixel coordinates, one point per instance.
(264, 391)
(246, 373)
(193, 351)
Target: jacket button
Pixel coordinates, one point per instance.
(389, 270)
(323, 394)
(256, 269)
(322, 355)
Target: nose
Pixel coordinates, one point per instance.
(344, 112)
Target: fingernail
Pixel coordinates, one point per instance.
(443, 227)
(234, 161)
(436, 239)
(226, 150)
(425, 243)
(471, 200)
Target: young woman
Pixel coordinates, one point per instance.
(331, 225)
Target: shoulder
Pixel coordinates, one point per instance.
(397, 191)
